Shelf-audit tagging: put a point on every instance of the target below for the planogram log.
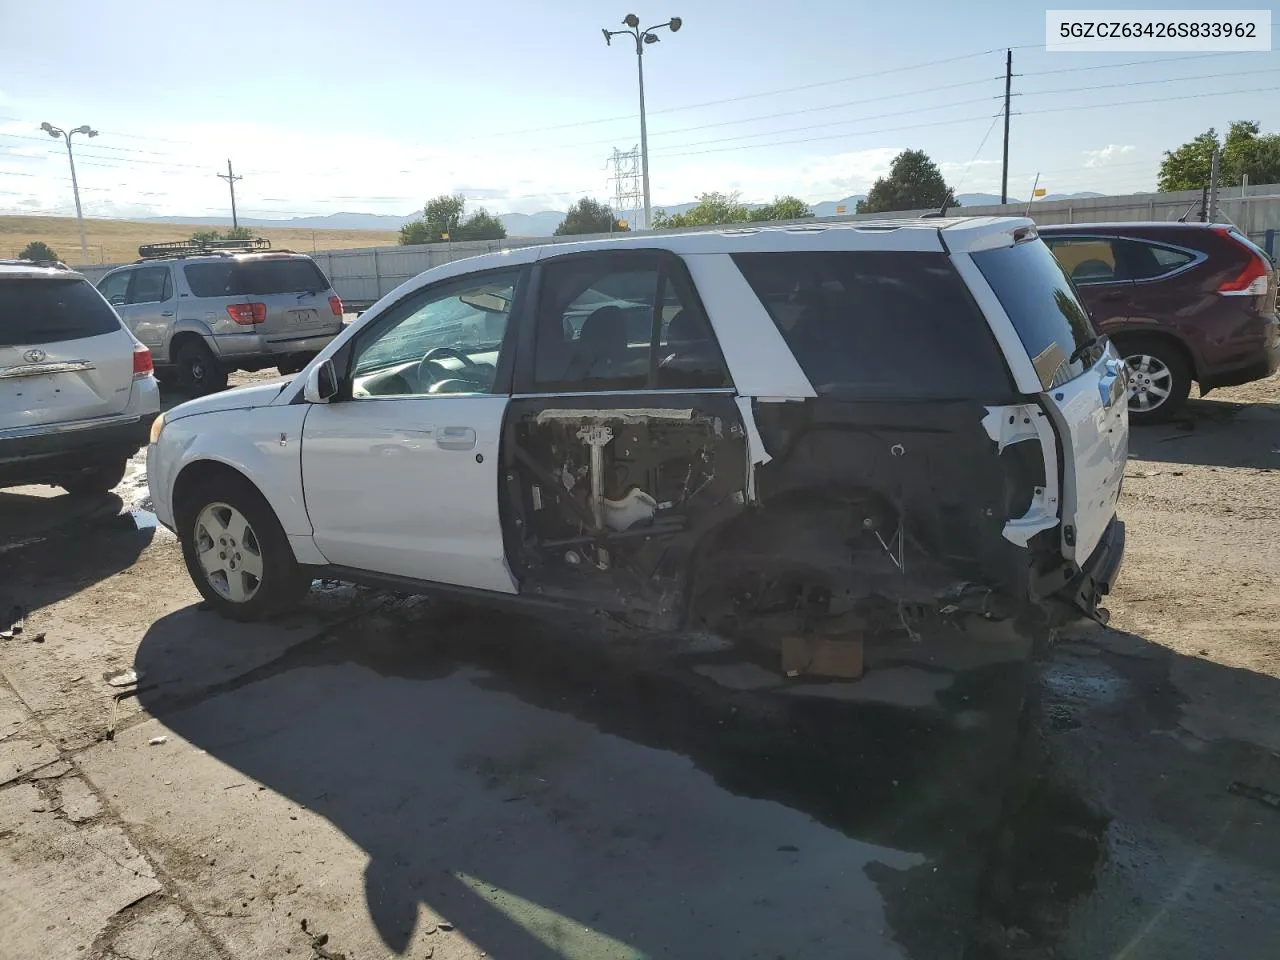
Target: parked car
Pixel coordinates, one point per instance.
(205, 308)
(1181, 301)
(77, 395)
(759, 431)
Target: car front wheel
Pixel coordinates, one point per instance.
(1159, 378)
(237, 553)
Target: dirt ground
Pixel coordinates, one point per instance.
(381, 776)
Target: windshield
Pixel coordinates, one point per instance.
(48, 311)
(257, 278)
(1042, 303)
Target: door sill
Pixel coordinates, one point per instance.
(391, 581)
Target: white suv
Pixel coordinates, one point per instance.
(77, 395)
(759, 430)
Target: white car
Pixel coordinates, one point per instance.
(77, 394)
(758, 430)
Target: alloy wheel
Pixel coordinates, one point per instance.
(1150, 382)
(229, 552)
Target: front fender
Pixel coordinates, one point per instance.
(264, 444)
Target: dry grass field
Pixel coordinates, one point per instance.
(116, 241)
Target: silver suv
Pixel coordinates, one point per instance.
(77, 395)
(205, 308)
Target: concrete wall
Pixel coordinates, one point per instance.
(363, 275)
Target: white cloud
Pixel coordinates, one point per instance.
(1106, 155)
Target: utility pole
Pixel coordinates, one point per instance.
(1213, 185)
(642, 38)
(1008, 85)
(66, 135)
(231, 179)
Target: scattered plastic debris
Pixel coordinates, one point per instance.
(157, 741)
(38, 638)
(121, 678)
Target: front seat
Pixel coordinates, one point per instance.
(601, 347)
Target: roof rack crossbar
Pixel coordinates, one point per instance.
(178, 248)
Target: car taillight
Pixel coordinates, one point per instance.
(142, 365)
(1253, 279)
(335, 304)
(247, 313)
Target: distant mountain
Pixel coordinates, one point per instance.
(333, 221)
(541, 224)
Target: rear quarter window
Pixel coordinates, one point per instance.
(1041, 302)
(880, 324)
(50, 311)
(254, 278)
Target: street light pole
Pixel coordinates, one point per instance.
(57, 132)
(642, 37)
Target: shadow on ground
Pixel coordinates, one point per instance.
(1214, 433)
(554, 791)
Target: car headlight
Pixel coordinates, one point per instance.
(156, 426)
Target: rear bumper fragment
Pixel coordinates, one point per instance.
(1100, 571)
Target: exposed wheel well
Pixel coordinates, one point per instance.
(1184, 351)
(179, 339)
(196, 473)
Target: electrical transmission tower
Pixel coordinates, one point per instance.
(627, 194)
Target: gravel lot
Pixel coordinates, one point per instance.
(379, 776)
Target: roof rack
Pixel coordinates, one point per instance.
(20, 262)
(190, 248)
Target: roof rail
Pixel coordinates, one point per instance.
(21, 262)
(188, 248)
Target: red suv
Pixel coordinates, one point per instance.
(1181, 302)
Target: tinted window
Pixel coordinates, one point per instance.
(116, 287)
(1036, 294)
(879, 325)
(149, 285)
(622, 321)
(1087, 259)
(47, 311)
(464, 320)
(1168, 259)
(257, 278)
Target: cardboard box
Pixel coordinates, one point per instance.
(822, 657)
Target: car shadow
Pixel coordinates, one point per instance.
(41, 533)
(552, 792)
(1215, 433)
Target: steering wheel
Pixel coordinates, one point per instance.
(425, 374)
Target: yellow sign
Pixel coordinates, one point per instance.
(444, 236)
(1040, 191)
(840, 209)
(624, 224)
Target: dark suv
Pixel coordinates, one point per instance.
(1181, 301)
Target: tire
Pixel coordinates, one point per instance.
(1155, 364)
(199, 372)
(236, 552)
(167, 376)
(95, 481)
(293, 364)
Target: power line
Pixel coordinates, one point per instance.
(1147, 83)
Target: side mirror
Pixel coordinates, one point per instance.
(322, 383)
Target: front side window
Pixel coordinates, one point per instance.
(149, 285)
(444, 339)
(116, 287)
(1037, 295)
(880, 325)
(626, 321)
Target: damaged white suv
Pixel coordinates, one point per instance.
(756, 430)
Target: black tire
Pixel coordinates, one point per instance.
(282, 584)
(167, 376)
(293, 364)
(198, 369)
(1159, 352)
(95, 481)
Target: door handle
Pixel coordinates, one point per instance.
(456, 438)
(167, 313)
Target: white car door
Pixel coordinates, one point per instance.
(400, 470)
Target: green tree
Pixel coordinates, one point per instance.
(1246, 151)
(588, 216)
(38, 250)
(914, 183)
(711, 209)
(231, 233)
(782, 208)
(442, 220)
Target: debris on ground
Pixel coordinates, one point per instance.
(38, 638)
(121, 678)
(822, 657)
(1241, 789)
(157, 741)
(318, 941)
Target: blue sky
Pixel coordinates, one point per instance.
(378, 105)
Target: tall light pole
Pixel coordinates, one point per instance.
(57, 132)
(642, 37)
